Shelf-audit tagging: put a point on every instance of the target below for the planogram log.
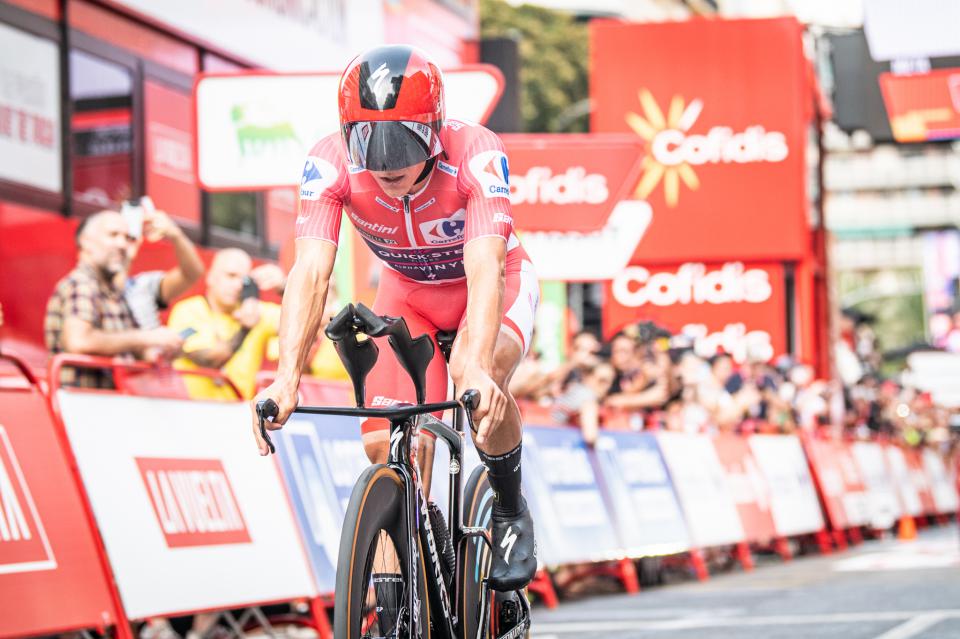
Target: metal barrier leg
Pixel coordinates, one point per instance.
(744, 556)
(783, 548)
(840, 539)
(318, 612)
(543, 588)
(699, 565)
(823, 542)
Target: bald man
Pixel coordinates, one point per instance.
(229, 327)
(87, 314)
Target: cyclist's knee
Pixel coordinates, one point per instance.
(377, 446)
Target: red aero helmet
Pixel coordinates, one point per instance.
(391, 108)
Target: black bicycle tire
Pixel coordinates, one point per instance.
(474, 508)
(376, 504)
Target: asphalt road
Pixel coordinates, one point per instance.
(878, 590)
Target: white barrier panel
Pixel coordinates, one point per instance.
(941, 484)
(793, 496)
(906, 488)
(882, 495)
(191, 516)
(700, 483)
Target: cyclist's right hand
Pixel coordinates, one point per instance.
(285, 396)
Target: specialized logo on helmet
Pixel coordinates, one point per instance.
(492, 171)
(445, 230)
(318, 175)
(674, 151)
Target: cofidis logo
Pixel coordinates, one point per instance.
(675, 149)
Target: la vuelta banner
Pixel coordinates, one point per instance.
(732, 307)
(719, 106)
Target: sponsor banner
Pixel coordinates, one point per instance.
(923, 107)
(600, 254)
(569, 183)
(724, 133)
(900, 473)
(699, 480)
(793, 497)
(48, 550)
(732, 307)
(573, 523)
(942, 486)
(255, 129)
(171, 180)
(321, 457)
(642, 500)
(29, 110)
(747, 486)
(882, 499)
(918, 475)
(838, 478)
(192, 518)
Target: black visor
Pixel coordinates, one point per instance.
(389, 145)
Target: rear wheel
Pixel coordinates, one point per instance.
(372, 581)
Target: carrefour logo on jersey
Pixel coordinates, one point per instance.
(318, 175)
(445, 230)
(492, 171)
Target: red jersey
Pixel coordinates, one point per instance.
(420, 236)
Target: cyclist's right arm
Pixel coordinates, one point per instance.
(300, 316)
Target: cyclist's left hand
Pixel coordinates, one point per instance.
(493, 403)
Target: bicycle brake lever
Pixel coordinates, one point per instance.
(267, 408)
(471, 401)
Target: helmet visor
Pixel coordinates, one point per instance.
(390, 145)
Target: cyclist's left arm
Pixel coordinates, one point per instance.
(484, 180)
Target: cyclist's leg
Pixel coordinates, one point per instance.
(514, 560)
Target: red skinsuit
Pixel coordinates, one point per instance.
(420, 239)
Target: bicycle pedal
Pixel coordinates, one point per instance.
(512, 614)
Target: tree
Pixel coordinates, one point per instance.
(553, 63)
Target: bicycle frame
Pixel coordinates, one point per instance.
(402, 426)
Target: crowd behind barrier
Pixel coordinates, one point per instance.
(133, 507)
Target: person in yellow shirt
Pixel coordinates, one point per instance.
(229, 327)
(325, 364)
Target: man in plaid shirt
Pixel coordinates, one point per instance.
(87, 313)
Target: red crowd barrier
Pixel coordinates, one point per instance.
(53, 570)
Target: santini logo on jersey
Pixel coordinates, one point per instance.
(491, 170)
(318, 175)
(445, 230)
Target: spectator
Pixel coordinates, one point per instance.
(325, 363)
(150, 292)
(87, 313)
(228, 328)
(643, 373)
(580, 401)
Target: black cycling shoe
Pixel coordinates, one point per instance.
(514, 561)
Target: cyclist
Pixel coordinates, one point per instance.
(431, 198)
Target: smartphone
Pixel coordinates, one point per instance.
(250, 289)
(132, 212)
(187, 332)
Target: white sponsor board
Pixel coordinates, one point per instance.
(941, 483)
(254, 130)
(294, 35)
(191, 516)
(600, 255)
(793, 497)
(884, 504)
(29, 110)
(906, 487)
(701, 484)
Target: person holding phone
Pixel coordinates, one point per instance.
(228, 327)
(150, 292)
